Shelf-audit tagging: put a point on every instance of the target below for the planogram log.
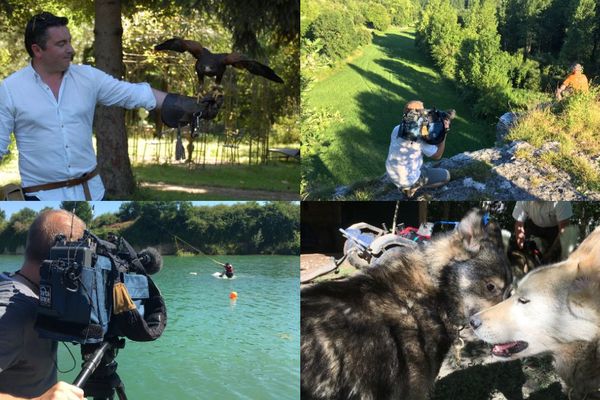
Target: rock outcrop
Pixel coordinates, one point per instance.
(491, 174)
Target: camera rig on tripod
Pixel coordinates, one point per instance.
(94, 292)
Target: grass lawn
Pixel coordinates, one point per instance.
(369, 93)
(281, 179)
(277, 180)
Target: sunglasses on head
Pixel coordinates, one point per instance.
(40, 19)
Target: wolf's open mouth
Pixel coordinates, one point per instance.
(508, 349)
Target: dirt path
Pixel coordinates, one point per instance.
(221, 192)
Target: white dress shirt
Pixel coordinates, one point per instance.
(405, 159)
(543, 213)
(54, 137)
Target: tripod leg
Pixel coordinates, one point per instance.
(90, 366)
(121, 391)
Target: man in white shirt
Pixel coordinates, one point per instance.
(404, 163)
(549, 222)
(49, 105)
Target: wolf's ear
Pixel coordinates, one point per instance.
(587, 255)
(586, 280)
(583, 301)
(471, 230)
(495, 233)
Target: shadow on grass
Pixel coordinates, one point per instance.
(357, 153)
(273, 181)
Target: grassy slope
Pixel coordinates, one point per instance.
(370, 92)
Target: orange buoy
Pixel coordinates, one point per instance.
(233, 295)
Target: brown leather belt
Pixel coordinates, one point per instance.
(68, 183)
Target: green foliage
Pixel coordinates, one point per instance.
(574, 123)
(402, 12)
(247, 228)
(251, 20)
(12, 149)
(512, 47)
(104, 220)
(363, 36)
(14, 233)
(173, 72)
(579, 43)
(336, 32)
(315, 124)
(481, 63)
(377, 16)
(22, 219)
(548, 30)
(80, 208)
(524, 73)
(524, 99)
(483, 70)
(243, 228)
(438, 29)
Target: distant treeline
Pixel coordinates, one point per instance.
(244, 228)
(331, 30)
(504, 54)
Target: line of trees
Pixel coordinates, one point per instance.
(244, 228)
(505, 53)
(332, 30)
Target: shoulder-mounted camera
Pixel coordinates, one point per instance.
(425, 124)
(92, 289)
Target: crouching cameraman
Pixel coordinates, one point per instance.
(420, 132)
(27, 362)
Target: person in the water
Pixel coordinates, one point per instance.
(228, 270)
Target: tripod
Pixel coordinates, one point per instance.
(98, 376)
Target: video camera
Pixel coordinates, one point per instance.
(93, 292)
(91, 289)
(425, 124)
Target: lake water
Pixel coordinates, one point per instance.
(213, 348)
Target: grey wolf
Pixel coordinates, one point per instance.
(554, 309)
(383, 333)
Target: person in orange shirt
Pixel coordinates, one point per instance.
(577, 81)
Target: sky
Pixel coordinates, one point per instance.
(100, 207)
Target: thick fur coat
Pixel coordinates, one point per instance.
(383, 333)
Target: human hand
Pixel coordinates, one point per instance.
(62, 391)
(520, 236)
(449, 116)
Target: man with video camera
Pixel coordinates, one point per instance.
(420, 132)
(49, 106)
(27, 362)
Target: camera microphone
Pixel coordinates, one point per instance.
(151, 260)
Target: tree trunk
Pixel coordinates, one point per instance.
(111, 137)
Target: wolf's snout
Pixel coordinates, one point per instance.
(475, 322)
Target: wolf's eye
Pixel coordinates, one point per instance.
(523, 300)
(490, 287)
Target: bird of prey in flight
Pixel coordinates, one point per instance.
(209, 64)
